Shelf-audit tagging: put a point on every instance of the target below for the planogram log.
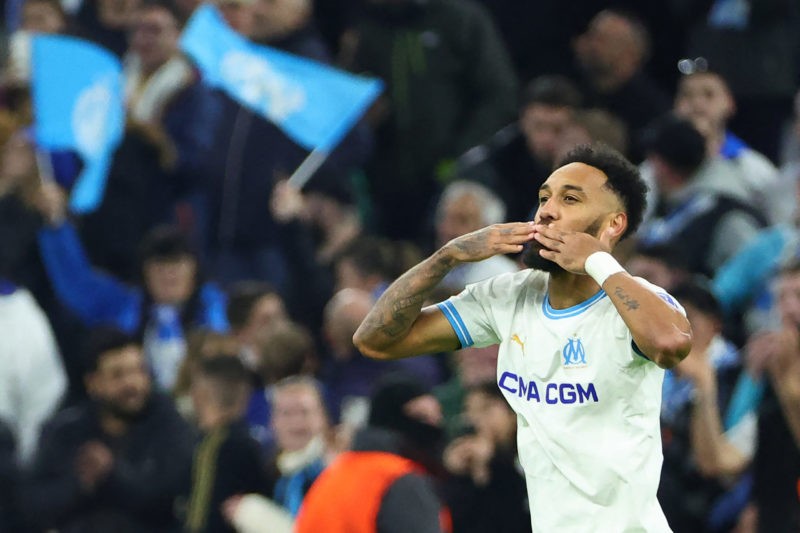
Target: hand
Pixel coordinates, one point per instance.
(230, 507)
(51, 201)
(287, 203)
(569, 249)
(470, 455)
(786, 356)
(697, 368)
(93, 464)
(492, 240)
(760, 349)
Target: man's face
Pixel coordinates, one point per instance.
(788, 290)
(170, 280)
(297, 417)
(459, 216)
(41, 17)
(121, 382)
(266, 312)
(273, 19)
(543, 126)
(574, 198)
(491, 417)
(705, 100)
(238, 14)
(607, 41)
(154, 37)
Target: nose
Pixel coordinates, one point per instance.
(546, 212)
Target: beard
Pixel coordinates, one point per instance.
(532, 259)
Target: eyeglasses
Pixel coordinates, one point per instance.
(692, 66)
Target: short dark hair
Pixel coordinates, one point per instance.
(677, 141)
(242, 296)
(552, 90)
(697, 292)
(168, 6)
(229, 375)
(623, 178)
(164, 243)
(667, 253)
(102, 340)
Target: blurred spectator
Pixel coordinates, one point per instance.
(249, 514)
(300, 424)
(201, 344)
(106, 22)
(32, 378)
(661, 265)
(450, 85)
(253, 307)
(116, 462)
(473, 366)
(518, 158)
(371, 263)
(612, 54)
(383, 484)
(775, 355)
(705, 98)
(704, 449)
(754, 46)
(43, 16)
(465, 207)
(593, 125)
(250, 154)
(171, 301)
(227, 461)
(349, 377)
(487, 489)
(285, 349)
(171, 115)
(701, 212)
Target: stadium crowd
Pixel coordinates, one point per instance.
(181, 358)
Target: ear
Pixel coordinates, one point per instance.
(617, 226)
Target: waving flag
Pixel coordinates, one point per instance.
(314, 104)
(78, 105)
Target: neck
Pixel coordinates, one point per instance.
(714, 142)
(112, 425)
(216, 417)
(566, 289)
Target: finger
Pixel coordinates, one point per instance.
(548, 242)
(508, 248)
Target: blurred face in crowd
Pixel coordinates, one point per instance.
(653, 270)
(117, 14)
(121, 383)
(543, 127)
(788, 290)
(476, 365)
(266, 312)
(458, 216)
(426, 409)
(170, 280)
(704, 325)
(491, 417)
(704, 99)
(298, 416)
(154, 37)
(273, 19)
(609, 46)
(42, 17)
(238, 14)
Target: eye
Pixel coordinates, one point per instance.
(570, 199)
(542, 200)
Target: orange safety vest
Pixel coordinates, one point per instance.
(347, 496)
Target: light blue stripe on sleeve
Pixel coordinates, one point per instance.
(457, 316)
(454, 323)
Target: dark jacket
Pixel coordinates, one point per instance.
(227, 461)
(150, 462)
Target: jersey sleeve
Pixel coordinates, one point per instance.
(474, 313)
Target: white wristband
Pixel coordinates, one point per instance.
(601, 265)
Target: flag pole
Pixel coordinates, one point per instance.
(307, 168)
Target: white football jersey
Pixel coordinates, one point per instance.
(587, 403)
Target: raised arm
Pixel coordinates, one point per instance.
(398, 326)
(661, 332)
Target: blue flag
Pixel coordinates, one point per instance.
(78, 105)
(314, 104)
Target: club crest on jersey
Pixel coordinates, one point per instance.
(574, 353)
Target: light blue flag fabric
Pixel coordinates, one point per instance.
(314, 104)
(78, 105)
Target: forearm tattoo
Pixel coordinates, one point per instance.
(628, 301)
(400, 305)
